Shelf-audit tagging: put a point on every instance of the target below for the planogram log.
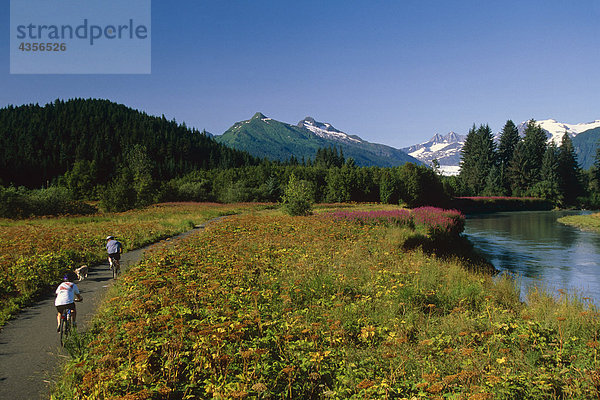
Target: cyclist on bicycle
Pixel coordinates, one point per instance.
(114, 250)
(66, 295)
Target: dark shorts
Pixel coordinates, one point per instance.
(115, 256)
(61, 308)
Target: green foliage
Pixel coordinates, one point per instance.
(525, 166)
(329, 157)
(23, 203)
(509, 139)
(40, 144)
(548, 187)
(298, 197)
(82, 179)
(478, 157)
(569, 173)
(420, 186)
(133, 187)
(119, 195)
(388, 188)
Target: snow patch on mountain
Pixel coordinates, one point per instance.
(555, 130)
(326, 130)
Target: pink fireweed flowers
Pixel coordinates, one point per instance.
(400, 217)
(435, 220)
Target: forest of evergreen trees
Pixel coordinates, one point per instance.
(40, 143)
(55, 156)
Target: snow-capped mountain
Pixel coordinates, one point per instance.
(265, 137)
(327, 131)
(444, 149)
(555, 130)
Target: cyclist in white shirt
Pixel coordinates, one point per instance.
(66, 295)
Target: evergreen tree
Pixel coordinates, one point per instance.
(548, 186)
(478, 155)
(517, 171)
(569, 171)
(509, 138)
(526, 163)
(493, 183)
(388, 187)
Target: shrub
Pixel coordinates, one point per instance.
(22, 203)
(298, 197)
(119, 195)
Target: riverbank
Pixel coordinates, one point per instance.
(308, 307)
(589, 222)
(475, 205)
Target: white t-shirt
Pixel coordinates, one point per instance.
(65, 293)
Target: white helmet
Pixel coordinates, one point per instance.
(109, 237)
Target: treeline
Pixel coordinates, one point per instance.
(39, 144)
(328, 178)
(524, 166)
(56, 157)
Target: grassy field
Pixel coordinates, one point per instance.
(326, 306)
(590, 222)
(35, 253)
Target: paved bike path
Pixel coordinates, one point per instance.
(30, 351)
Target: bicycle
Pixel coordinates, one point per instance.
(115, 266)
(66, 326)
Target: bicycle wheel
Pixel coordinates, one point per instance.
(65, 327)
(114, 267)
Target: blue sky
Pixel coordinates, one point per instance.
(392, 72)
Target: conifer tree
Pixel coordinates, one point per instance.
(569, 171)
(517, 172)
(526, 163)
(548, 186)
(509, 138)
(477, 158)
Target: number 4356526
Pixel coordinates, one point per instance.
(27, 46)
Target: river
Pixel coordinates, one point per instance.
(538, 250)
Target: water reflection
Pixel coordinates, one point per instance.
(540, 250)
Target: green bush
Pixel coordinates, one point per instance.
(298, 197)
(119, 195)
(23, 203)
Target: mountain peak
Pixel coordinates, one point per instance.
(308, 120)
(259, 115)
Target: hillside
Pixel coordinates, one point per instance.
(586, 145)
(265, 137)
(40, 143)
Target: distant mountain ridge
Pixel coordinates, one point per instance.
(445, 149)
(262, 136)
